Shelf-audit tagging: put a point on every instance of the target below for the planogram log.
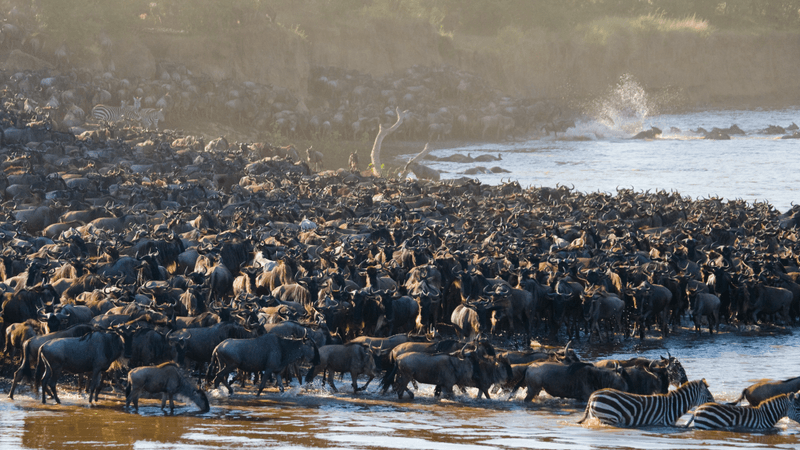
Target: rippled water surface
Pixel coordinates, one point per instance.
(316, 418)
(596, 156)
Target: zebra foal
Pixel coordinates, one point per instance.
(762, 417)
(621, 409)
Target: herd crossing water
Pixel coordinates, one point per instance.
(595, 155)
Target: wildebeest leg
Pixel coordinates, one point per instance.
(163, 400)
(222, 376)
(263, 383)
(51, 386)
(17, 377)
(242, 375)
(533, 391)
(364, 388)
(401, 386)
(330, 380)
(447, 391)
(134, 397)
(95, 385)
(46, 377)
(171, 403)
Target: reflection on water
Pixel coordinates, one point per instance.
(316, 418)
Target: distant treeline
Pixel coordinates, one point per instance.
(473, 17)
(490, 16)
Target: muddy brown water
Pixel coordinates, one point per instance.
(318, 418)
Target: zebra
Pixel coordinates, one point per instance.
(613, 407)
(148, 117)
(113, 114)
(762, 417)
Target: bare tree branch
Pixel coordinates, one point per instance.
(382, 133)
(413, 160)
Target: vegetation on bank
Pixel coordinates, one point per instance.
(595, 19)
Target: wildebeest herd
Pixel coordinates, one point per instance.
(179, 258)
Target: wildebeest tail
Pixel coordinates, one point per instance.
(519, 384)
(388, 379)
(212, 366)
(25, 365)
(127, 390)
(736, 402)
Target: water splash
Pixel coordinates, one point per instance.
(623, 109)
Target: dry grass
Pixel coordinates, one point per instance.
(600, 31)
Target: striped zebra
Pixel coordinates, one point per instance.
(149, 117)
(621, 409)
(761, 417)
(114, 114)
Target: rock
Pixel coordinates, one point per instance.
(19, 60)
(795, 135)
(648, 134)
(718, 135)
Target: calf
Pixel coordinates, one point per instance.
(165, 378)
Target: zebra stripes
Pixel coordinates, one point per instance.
(621, 409)
(113, 114)
(761, 417)
(148, 117)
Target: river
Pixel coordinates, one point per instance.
(598, 154)
(318, 418)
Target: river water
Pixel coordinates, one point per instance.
(318, 418)
(598, 154)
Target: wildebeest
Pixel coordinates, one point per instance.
(268, 354)
(66, 316)
(462, 368)
(167, 379)
(471, 319)
(606, 307)
(442, 370)
(200, 342)
(149, 347)
(18, 333)
(351, 357)
(670, 366)
(30, 354)
(93, 352)
(577, 380)
(758, 392)
(704, 304)
(642, 381)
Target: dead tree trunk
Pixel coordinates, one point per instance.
(382, 133)
(413, 160)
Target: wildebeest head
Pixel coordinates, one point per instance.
(675, 372)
